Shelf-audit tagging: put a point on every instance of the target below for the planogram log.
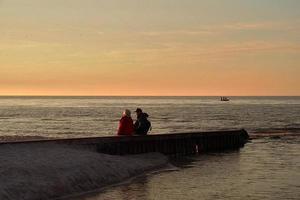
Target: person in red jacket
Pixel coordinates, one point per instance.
(126, 124)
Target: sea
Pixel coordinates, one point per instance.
(267, 167)
(69, 117)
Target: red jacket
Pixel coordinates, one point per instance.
(126, 126)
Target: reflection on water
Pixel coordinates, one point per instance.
(264, 169)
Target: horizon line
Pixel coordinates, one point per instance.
(149, 95)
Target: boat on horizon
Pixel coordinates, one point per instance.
(225, 99)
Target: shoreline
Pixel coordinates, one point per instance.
(36, 171)
(129, 180)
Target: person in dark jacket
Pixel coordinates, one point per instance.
(142, 124)
(126, 126)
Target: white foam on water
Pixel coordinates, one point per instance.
(44, 171)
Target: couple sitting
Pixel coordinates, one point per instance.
(140, 127)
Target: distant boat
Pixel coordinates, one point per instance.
(225, 99)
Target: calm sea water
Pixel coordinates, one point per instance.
(99, 116)
(265, 169)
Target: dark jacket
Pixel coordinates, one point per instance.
(142, 124)
(126, 126)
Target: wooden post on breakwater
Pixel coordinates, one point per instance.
(169, 144)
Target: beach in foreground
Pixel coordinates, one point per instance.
(41, 171)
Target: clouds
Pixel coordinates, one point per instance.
(100, 43)
(66, 46)
(212, 30)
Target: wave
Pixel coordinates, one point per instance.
(14, 138)
(277, 130)
(49, 119)
(47, 171)
(275, 133)
(3, 118)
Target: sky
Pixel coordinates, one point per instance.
(157, 47)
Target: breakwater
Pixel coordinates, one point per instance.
(176, 144)
(169, 144)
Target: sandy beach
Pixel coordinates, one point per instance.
(37, 171)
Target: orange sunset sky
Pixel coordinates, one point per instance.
(157, 47)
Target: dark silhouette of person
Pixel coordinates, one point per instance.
(142, 124)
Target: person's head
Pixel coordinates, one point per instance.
(127, 113)
(138, 111)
